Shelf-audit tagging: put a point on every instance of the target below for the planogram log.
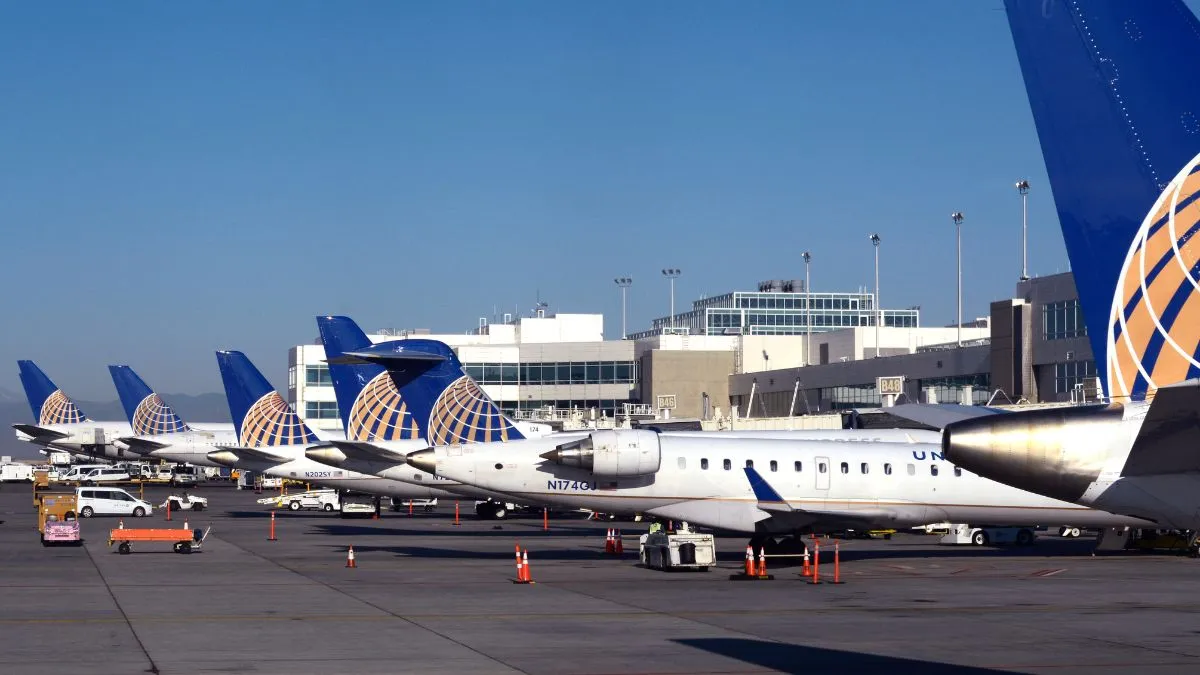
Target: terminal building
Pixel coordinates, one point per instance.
(775, 352)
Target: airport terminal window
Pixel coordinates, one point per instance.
(561, 372)
(864, 467)
(887, 469)
(1070, 374)
(933, 470)
(728, 465)
(912, 470)
(320, 410)
(1062, 320)
(682, 462)
(704, 464)
(774, 465)
(749, 464)
(317, 376)
(845, 467)
(798, 466)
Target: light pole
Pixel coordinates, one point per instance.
(878, 311)
(957, 217)
(672, 274)
(624, 283)
(807, 308)
(1023, 188)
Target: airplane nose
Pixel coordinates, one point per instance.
(422, 459)
(1055, 452)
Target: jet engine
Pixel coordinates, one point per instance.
(614, 452)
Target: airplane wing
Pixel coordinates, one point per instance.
(1166, 442)
(39, 433)
(853, 517)
(142, 446)
(939, 415)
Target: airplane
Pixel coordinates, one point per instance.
(1115, 89)
(381, 422)
(158, 431)
(271, 438)
(59, 424)
(688, 476)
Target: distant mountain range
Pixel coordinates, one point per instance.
(15, 409)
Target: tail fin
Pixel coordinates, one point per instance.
(368, 399)
(260, 415)
(48, 403)
(1115, 95)
(147, 413)
(448, 405)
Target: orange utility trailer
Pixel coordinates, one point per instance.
(182, 540)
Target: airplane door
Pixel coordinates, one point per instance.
(822, 472)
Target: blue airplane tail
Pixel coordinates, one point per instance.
(368, 399)
(147, 413)
(260, 415)
(1115, 94)
(47, 402)
(448, 406)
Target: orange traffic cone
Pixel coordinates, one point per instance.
(520, 570)
(525, 566)
(609, 545)
(185, 524)
(806, 571)
(350, 558)
(762, 562)
(121, 524)
(816, 568)
(837, 565)
(749, 561)
(618, 543)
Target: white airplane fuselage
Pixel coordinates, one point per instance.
(701, 479)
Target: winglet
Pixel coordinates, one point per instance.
(768, 498)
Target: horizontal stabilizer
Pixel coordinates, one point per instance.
(369, 451)
(142, 446)
(387, 355)
(1166, 442)
(768, 498)
(939, 415)
(39, 433)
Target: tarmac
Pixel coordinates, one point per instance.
(431, 597)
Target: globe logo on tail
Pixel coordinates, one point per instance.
(270, 422)
(58, 408)
(1153, 335)
(380, 413)
(153, 417)
(464, 414)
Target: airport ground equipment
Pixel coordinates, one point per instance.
(13, 473)
(398, 503)
(962, 533)
(681, 549)
(185, 502)
(182, 540)
(326, 500)
(58, 519)
(353, 504)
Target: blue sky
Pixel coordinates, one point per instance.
(182, 177)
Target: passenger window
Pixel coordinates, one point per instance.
(845, 467)
(88, 494)
(727, 464)
(957, 472)
(704, 464)
(749, 464)
(774, 465)
(821, 467)
(798, 466)
(864, 467)
(933, 469)
(682, 462)
(912, 470)
(887, 469)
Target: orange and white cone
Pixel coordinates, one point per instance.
(609, 545)
(806, 571)
(350, 558)
(525, 566)
(520, 568)
(762, 562)
(618, 543)
(749, 561)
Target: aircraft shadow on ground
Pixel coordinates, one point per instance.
(506, 530)
(559, 555)
(802, 660)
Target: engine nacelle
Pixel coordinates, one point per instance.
(612, 452)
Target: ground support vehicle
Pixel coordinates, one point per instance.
(182, 540)
(58, 519)
(682, 549)
(326, 500)
(962, 533)
(186, 502)
(398, 504)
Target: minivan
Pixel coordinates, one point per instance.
(106, 501)
(109, 474)
(77, 472)
(184, 474)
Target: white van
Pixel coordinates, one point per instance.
(107, 501)
(78, 471)
(108, 474)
